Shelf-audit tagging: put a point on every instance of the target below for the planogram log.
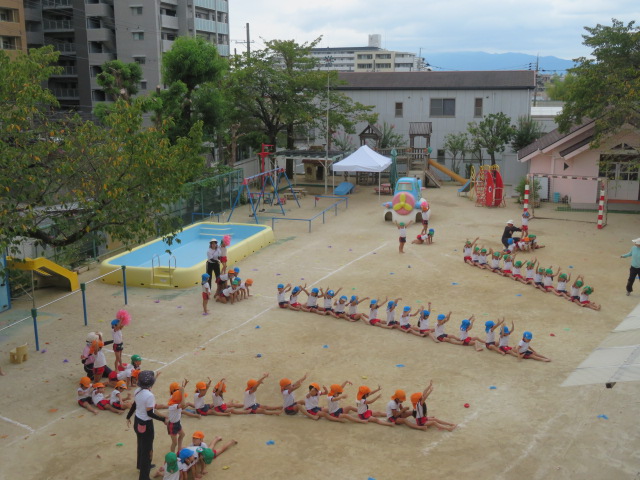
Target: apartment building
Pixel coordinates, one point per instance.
(88, 33)
(12, 27)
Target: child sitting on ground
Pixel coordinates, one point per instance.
(250, 403)
(439, 330)
(561, 288)
(354, 316)
(465, 338)
(116, 400)
(584, 298)
(468, 250)
(526, 351)
(373, 319)
(97, 397)
(84, 395)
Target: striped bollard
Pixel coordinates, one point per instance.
(601, 208)
(526, 196)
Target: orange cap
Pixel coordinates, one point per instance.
(362, 391)
(85, 382)
(176, 398)
(221, 386)
(251, 383)
(399, 395)
(98, 385)
(135, 373)
(121, 384)
(335, 388)
(284, 382)
(200, 386)
(96, 345)
(248, 281)
(198, 434)
(415, 398)
(315, 385)
(173, 387)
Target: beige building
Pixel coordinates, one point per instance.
(12, 29)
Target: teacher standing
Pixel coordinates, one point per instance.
(143, 405)
(634, 270)
(509, 230)
(213, 260)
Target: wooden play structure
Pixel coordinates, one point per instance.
(489, 187)
(19, 354)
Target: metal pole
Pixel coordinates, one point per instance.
(326, 157)
(124, 283)
(34, 314)
(83, 288)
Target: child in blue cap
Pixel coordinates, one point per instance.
(372, 318)
(439, 330)
(293, 298)
(391, 313)
(327, 307)
(312, 300)
(339, 308)
(525, 350)
(490, 329)
(503, 343)
(282, 290)
(405, 325)
(423, 326)
(465, 338)
(170, 470)
(430, 235)
(354, 316)
(206, 293)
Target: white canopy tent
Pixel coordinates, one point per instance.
(364, 160)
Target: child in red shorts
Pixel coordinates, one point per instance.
(97, 397)
(363, 402)
(84, 395)
(419, 401)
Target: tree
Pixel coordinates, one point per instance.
(526, 132)
(492, 133)
(456, 144)
(63, 179)
(390, 138)
(559, 87)
(607, 85)
(119, 80)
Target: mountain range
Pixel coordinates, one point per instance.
(465, 61)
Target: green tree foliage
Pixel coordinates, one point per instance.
(193, 71)
(119, 80)
(526, 132)
(390, 138)
(607, 84)
(559, 87)
(63, 179)
(493, 133)
(456, 144)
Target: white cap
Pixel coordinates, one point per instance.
(510, 222)
(636, 241)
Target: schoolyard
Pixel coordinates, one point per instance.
(527, 427)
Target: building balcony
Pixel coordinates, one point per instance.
(65, 93)
(57, 25)
(65, 48)
(56, 4)
(169, 22)
(223, 50)
(67, 71)
(32, 15)
(100, 58)
(35, 38)
(100, 35)
(210, 26)
(170, 2)
(98, 10)
(166, 45)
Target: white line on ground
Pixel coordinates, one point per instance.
(13, 422)
(446, 436)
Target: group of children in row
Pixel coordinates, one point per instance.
(504, 263)
(338, 309)
(229, 288)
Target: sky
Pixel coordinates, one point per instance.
(544, 27)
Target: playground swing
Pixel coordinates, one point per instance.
(272, 178)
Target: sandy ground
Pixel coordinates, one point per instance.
(528, 427)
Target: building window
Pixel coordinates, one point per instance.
(9, 15)
(138, 35)
(440, 156)
(398, 109)
(98, 96)
(143, 85)
(383, 65)
(136, 10)
(477, 108)
(383, 55)
(95, 70)
(365, 66)
(443, 107)
(140, 60)
(168, 36)
(362, 56)
(10, 43)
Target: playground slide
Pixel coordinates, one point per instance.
(47, 269)
(466, 187)
(344, 188)
(446, 171)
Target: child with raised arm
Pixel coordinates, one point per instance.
(482, 259)
(174, 415)
(507, 266)
(468, 250)
(439, 330)
(363, 402)
(423, 324)
(334, 409)
(312, 301)
(391, 313)
(373, 319)
(339, 308)
(289, 404)
(402, 231)
(327, 306)
(547, 280)
(250, 403)
(525, 350)
(517, 271)
(561, 288)
(199, 400)
(354, 316)
(490, 329)
(405, 324)
(220, 407)
(503, 343)
(465, 338)
(575, 288)
(398, 413)
(495, 261)
(419, 401)
(425, 214)
(584, 298)
(530, 274)
(282, 290)
(294, 304)
(312, 401)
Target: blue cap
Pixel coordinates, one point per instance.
(315, 290)
(431, 231)
(505, 329)
(114, 322)
(237, 279)
(280, 285)
(205, 276)
(331, 293)
(353, 298)
(510, 241)
(343, 297)
(426, 313)
(442, 316)
(236, 269)
(295, 289)
(465, 324)
(373, 302)
(527, 335)
(406, 309)
(391, 304)
(186, 453)
(489, 325)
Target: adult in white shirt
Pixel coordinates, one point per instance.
(143, 405)
(213, 260)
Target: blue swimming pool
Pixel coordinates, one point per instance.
(157, 264)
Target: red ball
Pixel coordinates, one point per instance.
(466, 405)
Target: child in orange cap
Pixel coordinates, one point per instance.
(97, 397)
(100, 362)
(243, 292)
(219, 405)
(199, 402)
(334, 409)
(312, 400)
(250, 403)
(363, 406)
(116, 400)
(176, 405)
(84, 395)
(419, 401)
(397, 413)
(289, 404)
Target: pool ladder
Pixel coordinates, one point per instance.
(163, 278)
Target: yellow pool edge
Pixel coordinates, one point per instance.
(183, 277)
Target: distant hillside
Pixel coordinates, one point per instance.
(495, 61)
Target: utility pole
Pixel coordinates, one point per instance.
(535, 88)
(248, 42)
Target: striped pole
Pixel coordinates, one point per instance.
(526, 196)
(601, 207)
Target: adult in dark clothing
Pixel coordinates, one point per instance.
(213, 261)
(143, 406)
(509, 230)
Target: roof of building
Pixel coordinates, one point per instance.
(549, 139)
(481, 80)
(342, 49)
